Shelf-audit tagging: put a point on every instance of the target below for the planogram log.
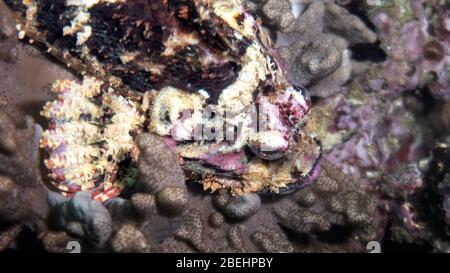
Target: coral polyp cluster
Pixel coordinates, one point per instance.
(90, 132)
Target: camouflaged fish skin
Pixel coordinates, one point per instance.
(190, 54)
(145, 44)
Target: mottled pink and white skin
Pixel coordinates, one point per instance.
(418, 50)
(278, 122)
(262, 111)
(198, 54)
(282, 117)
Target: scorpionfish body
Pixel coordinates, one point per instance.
(199, 73)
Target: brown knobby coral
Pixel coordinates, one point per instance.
(160, 174)
(24, 198)
(335, 200)
(272, 242)
(191, 230)
(313, 38)
(129, 239)
(158, 166)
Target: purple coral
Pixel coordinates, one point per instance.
(417, 48)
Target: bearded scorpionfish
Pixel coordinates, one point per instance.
(199, 73)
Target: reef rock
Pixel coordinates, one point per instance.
(83, 217)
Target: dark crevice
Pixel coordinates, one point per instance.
(335, 235)
(368, 52)
(295, 237)
(426, 100)
(356, 9)
(27, 242)
(365, 52)
(388, 245)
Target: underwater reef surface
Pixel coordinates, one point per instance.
(378, 76)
